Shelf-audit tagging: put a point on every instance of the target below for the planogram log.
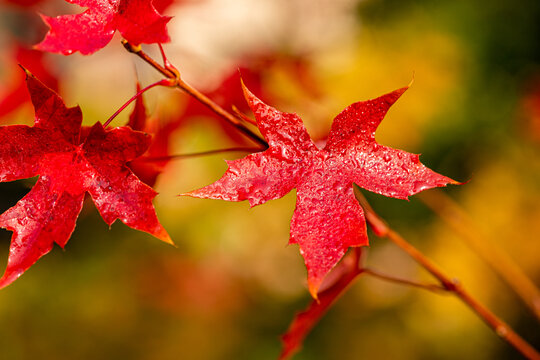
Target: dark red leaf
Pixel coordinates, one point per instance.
(327, 219)
(137, 20)
(69, 162)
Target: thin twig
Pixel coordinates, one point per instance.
(243, 116)
(197, 154)
(498, 260)
(171, 73)
(221, 112)
(430, 287)
(503, 330)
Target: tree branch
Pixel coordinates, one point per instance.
(499, 261)
(503, 330)
(171, 73)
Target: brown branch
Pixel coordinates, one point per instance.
(499, 261)
(171, 73)
(503, 330)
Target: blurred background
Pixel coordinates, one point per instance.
(232, 286)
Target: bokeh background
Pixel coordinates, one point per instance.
(232, 286)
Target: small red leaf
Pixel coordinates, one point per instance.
(70, 161)
(327, 219)
(137, 20)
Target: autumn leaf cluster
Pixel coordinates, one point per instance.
(72, 160)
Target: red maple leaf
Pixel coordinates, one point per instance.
(137, 20)
(327, 219)
(70, 161)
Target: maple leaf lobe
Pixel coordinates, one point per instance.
(139, 22)
(284, 130)
(346, 127)
(70, 161)
(327, 219)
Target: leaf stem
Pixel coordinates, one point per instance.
(164, 82)
(503, 330)
(171, 73)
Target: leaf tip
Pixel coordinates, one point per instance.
(159, 232)
(455, 182)
(313, 287)
(165, 237)
(26, 71)
(244, 88)
(411, 82)
(250, 97)
(9, 277)
(190, 194)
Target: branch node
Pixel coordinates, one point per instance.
(452, 284)
(130, 47)
(502, 331)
